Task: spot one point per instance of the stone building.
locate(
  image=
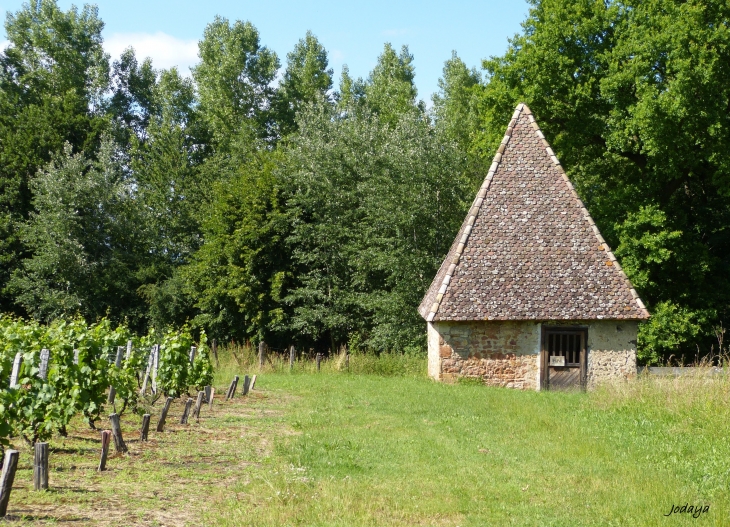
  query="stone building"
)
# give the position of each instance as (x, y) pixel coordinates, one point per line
(530, 295)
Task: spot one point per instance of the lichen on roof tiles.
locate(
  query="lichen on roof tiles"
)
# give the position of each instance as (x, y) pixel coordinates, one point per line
(528, 249)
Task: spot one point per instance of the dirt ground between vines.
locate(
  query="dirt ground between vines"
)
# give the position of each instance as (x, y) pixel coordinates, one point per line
(171, 480)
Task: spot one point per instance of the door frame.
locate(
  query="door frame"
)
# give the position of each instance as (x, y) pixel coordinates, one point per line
(545, 368)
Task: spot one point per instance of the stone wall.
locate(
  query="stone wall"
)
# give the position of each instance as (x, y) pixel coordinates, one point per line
(501, 353)
(612, 351)
(507, 353)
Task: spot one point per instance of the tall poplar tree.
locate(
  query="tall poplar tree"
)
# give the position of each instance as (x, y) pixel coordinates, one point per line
(233, 80)
(52, 78)
(306, 79)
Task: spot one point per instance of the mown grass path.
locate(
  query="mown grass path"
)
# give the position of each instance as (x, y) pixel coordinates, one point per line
(351, 450)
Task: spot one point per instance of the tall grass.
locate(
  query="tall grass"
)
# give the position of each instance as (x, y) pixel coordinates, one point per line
(693, 394)
(235, 359)
(681, 422)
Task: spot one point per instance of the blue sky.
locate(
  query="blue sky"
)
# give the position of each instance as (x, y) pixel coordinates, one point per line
(352, 32)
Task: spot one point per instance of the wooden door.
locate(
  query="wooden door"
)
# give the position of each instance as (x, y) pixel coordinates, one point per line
(564, 358)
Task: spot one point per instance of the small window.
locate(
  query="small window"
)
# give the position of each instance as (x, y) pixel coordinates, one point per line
(565, 346)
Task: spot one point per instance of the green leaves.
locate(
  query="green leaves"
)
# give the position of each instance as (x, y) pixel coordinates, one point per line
(306, 80)
(201, 372)
(83, 239)
(374, 203)
(173, 372)
(52, 77)
(390, 90)
(233, 78)
(238, 275)
(647, 244)
(671, 326)
(36, 408)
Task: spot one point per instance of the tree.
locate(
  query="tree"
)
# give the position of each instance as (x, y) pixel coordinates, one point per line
(372, 202)
(239, 276)
(171, 191)
(457, 114)
(132, 101)
(84, 239)
(633, 97)
(390, 89)
(52, 79)
(454, 107)
(233, 80)
(305, 80)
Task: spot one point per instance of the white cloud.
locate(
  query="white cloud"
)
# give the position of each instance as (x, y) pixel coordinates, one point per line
(4, 44)
(165, 50)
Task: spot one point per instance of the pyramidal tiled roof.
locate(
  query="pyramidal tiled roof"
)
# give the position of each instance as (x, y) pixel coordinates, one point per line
(528, 249)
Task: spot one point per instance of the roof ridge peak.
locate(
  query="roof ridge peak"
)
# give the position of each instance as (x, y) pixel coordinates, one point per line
(522, 108)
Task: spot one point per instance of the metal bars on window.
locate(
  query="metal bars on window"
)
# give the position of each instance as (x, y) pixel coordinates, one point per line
(566, 344)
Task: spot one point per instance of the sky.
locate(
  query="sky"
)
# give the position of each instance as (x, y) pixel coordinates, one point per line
(353, 33)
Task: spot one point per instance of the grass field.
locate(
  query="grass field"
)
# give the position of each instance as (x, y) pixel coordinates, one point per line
(341, 449)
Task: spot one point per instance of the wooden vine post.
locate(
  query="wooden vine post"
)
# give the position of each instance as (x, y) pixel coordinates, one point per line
(253, 382)
(163, 415)
(16, 370)
(186, 412)
(210, 399)
(119, 444)
(214, 347)
(118, 364)
(232, 388)
(43, 367)
(40, 467)
(262, 353)
(319, 360)
(155, 365)
(145, 427)
(106, 437)
(10, 465)
(246, 384)
(147, 373)
(198, 404)
(292, 356)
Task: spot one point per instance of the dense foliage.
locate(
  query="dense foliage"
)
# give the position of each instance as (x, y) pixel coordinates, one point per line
(80, 370)
(634, 98)
(294, 212)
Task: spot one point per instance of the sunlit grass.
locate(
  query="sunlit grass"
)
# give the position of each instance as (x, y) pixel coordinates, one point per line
(406, 451)
(337, 448)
